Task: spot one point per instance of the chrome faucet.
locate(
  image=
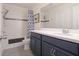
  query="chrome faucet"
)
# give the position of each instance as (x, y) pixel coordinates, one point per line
(65, 31)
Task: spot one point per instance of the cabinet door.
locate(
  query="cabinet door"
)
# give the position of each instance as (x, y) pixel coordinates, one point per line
(38, 47)
(32, 44)
(35, 45)
(50, 50)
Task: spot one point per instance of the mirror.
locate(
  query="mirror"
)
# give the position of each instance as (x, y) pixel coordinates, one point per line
(60, 15)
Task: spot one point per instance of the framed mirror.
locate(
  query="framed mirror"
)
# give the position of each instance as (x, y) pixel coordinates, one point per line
(36, 18)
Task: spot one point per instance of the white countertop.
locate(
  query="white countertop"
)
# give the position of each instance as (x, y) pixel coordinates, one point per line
(72, 36)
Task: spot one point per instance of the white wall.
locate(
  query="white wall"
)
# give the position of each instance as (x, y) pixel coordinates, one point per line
(36, 10)
(76, 16)
(59, 15)
(0, 19)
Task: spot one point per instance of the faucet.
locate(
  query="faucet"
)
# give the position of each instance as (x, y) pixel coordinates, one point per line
(65, 31)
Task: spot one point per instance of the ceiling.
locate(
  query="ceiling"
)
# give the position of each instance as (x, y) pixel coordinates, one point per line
(28, 5)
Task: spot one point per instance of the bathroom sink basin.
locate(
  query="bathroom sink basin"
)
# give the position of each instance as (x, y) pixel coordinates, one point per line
(67, 34)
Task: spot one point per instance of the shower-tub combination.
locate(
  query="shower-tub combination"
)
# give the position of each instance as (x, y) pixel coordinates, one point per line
(7, 42)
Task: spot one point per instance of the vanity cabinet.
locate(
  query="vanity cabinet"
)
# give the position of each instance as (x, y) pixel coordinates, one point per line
(42, 45)
(35, 44)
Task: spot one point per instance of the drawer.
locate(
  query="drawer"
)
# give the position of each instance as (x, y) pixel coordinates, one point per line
(65, 45)
(36, 35)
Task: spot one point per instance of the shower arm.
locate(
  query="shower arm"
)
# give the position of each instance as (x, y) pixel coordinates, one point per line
(5, 14)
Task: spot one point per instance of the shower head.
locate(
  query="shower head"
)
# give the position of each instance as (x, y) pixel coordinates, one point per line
(4, 12)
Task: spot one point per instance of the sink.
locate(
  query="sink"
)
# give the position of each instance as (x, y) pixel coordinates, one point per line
(67, 34)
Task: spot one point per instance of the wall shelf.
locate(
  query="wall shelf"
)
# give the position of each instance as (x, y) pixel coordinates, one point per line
(45, 21)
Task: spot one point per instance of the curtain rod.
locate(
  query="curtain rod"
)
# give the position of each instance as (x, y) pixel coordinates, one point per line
(12, 18)
(15, 19)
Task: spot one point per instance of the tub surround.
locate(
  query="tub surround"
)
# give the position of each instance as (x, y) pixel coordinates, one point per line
(72, 36)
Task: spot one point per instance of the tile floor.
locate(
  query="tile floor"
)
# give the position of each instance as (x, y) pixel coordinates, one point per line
(17, 51)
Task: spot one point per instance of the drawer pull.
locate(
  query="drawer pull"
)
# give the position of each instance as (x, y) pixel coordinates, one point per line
(52, 52)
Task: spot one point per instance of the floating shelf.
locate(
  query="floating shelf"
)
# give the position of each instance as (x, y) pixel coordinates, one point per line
(45, 21)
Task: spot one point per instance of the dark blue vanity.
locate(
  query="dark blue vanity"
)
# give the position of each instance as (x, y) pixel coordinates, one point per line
(42, 45)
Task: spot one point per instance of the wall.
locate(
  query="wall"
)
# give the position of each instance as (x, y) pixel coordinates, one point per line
(59, 15)
(37, 9)
(76, 16)
(0, 19)
(14, 28)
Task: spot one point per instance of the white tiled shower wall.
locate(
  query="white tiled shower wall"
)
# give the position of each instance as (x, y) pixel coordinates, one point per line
(14, 28)
(0, 28)
(0, 19)
(38, 10)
